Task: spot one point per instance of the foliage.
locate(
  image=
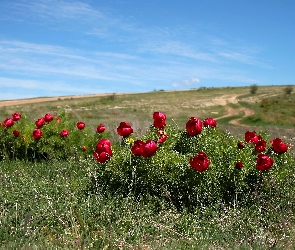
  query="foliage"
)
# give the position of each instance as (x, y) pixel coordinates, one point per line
(51, 144)
(189, 168)
(288, 90)
(253, 89)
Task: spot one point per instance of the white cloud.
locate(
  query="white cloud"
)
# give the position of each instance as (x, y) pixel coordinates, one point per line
(186, 82)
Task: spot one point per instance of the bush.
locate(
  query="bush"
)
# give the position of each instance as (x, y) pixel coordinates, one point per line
(288, 90)
(196, 167)
(168, 174)
(253, 89)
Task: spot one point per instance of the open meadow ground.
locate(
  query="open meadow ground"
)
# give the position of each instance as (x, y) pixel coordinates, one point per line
(130, 202)
(233, 107)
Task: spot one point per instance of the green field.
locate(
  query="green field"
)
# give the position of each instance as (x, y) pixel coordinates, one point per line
(53, 204)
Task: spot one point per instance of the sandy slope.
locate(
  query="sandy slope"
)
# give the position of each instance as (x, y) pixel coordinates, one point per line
(44, 99)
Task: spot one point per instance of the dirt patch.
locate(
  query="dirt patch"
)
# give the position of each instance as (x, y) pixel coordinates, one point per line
(44, 99)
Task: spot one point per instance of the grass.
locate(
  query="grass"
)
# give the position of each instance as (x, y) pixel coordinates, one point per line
(50, 205)
(47, 206)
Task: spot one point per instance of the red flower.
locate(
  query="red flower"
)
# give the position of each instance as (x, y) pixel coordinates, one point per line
(209, 122)
(124, 129)
(239, 165)
(80, 125)
(263, 162)
(9, 122)
(149, 148)
(159, 120)
(162, 138)
(101, 157)
(104, 145)
(241, 145)
(58, 119)
(100, 128)
(37, 133)
(84, 148)
(252, 137)
(16, 133)
(103, 151)
(64, 133)
(16, 116)
(194, 126)
(260, 146)
(104, 141)
(40, 122)
(279, 146)
(137, 147)
(200, 162)
(48, 117)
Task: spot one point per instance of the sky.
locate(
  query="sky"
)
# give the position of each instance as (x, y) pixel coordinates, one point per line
(75, 47)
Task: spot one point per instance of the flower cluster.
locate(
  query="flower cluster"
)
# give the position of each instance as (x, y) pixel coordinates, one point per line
(9, 122)
(263, 160)
(148, 147)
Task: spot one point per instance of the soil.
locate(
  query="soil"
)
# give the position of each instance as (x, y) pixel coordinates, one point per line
(43, 99)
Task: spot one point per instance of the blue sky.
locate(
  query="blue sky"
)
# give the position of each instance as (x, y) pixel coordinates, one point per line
(71, 47)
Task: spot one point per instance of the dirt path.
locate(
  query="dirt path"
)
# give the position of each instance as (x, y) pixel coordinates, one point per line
(233, 99)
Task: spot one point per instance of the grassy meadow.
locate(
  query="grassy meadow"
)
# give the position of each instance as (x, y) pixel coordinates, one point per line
(52, 205)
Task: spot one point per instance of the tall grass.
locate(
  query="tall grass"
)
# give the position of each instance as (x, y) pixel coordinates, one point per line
(47, 206)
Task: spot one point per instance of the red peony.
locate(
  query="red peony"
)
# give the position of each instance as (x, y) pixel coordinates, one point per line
(194, 126)
(103, 151)
(241, 145)
(159, 120)
(200, 162)
(100, 128)
(124, 129)
(104, 145)
(239, 165)
(84, 148)
(101, 157)
(252, 137)
(64, 133)
(260, 146)
(263, 162)
(149, 148)
(209, 122)
(16, 116)
(137, 147)
(9, 122)
(80, 125)
(162, 136)
(104, 142)
(279, 146)
(37, 133)
(40, 122)
(48, 117)
(16, 133)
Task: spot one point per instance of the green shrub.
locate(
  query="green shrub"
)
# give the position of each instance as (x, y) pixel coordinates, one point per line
(168, 175)
(253, 89)
(169, 172)
(288, 90)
